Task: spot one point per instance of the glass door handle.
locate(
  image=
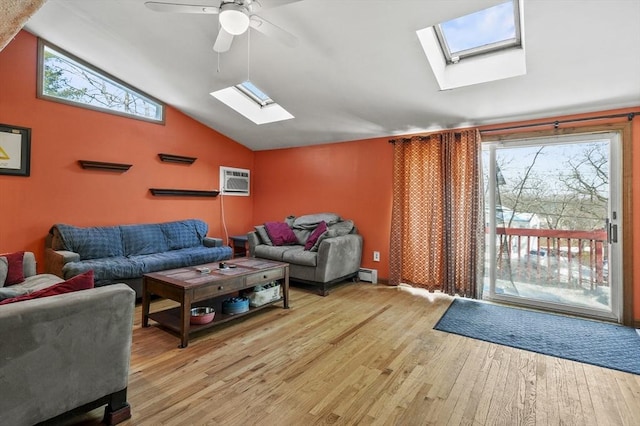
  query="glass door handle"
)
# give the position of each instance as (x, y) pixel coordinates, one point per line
(612, 232)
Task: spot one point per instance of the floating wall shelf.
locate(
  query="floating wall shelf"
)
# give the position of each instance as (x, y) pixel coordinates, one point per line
(100, 165)
(183, 192)
(170, 158)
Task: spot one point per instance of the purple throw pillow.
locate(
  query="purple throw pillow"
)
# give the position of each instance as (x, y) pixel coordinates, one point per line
(15, 268)
(280, 234)
(320, 229)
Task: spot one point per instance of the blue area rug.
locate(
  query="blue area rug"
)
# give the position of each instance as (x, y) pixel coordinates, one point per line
(592, 342)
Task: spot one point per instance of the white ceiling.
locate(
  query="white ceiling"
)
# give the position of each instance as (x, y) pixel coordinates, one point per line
(358, 71)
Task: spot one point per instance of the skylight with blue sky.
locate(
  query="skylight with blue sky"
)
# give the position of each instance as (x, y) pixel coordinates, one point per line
(251, 102)
(495, 27)
(482, 46)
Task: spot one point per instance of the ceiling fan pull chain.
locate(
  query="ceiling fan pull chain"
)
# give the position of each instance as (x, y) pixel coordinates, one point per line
(248, 53)
(218, 53)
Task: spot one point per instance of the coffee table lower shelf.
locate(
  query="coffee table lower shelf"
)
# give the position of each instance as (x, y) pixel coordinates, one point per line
(190, 287)
(170, 318)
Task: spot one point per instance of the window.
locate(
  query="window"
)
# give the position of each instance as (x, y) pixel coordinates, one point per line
(257, 95)
(553, 215)
(246, 99)
(485, 31)
(481, 47)
(67, 79)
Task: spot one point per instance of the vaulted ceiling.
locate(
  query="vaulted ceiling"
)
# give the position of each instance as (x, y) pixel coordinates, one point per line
(358, 70)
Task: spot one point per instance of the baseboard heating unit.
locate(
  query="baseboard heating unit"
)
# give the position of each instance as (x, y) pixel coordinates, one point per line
(368, 275)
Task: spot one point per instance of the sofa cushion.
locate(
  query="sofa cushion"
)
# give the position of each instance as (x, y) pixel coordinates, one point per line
(310, 221)
(302, 235)
(342, 228)
(262, 233)
(330, 233)
(105, 269)
(31, 283)
(4, 268)
(113, 269)
(38, 282)
(172, 259)
(15, 268)
(184, 233)
(12, 291)
(289, 220)
(93, 242)
(80, 282)
(273, 252)
(320, 229)
(143, 239)
(300, 256)
(280, 233)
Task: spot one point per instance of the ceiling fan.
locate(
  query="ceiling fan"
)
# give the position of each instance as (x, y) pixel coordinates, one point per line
(235, 17)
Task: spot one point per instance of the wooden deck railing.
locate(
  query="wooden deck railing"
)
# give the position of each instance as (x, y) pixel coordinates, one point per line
(567, 257)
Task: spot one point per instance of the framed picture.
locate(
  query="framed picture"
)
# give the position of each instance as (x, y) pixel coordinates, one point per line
(15, 150)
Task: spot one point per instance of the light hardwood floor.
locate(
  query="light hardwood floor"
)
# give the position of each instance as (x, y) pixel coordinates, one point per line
(366, 354)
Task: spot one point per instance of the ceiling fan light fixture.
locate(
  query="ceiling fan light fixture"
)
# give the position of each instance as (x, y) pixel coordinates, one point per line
(234, 18)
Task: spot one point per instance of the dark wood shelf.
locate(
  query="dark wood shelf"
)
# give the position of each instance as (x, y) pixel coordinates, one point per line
(170, 318)
(170, 158)
(182, 192)
(101, 165)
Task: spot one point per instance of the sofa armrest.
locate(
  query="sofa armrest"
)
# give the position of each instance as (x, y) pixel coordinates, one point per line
(212, 242)
(61, 352)
(56, 259)
(254, 240)
(338, 257)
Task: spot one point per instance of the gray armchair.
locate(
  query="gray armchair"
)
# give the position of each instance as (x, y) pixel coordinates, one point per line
(66, 353)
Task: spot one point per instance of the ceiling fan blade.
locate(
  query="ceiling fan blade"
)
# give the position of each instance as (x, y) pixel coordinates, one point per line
(181, 8)
(223, 41)
(270, 4)
(271, 30)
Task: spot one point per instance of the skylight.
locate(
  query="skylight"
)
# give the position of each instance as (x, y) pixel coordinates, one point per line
(487, 30)
(480, 47)
(250, 89)
(246, 99)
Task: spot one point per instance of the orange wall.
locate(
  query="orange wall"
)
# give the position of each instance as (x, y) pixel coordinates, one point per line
(353, 179)
(59, 190)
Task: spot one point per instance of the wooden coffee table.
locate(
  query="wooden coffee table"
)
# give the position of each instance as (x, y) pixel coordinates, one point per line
(188, 286)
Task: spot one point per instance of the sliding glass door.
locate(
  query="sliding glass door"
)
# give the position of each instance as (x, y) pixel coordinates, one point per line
(553, 223)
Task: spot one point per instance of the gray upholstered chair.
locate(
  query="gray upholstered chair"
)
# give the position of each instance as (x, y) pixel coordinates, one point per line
(335, 257)
(65, 353)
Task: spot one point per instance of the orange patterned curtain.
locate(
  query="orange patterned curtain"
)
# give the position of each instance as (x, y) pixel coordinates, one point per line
(437, 224)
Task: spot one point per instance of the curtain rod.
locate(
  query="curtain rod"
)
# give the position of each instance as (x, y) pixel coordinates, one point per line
(556, 124)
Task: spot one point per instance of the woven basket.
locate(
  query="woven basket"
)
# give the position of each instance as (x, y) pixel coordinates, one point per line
(264, 296)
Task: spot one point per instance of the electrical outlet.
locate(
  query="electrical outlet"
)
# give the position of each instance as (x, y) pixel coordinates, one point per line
(376, 256)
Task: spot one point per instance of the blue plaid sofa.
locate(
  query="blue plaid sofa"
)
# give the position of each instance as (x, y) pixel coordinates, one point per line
(124, 253)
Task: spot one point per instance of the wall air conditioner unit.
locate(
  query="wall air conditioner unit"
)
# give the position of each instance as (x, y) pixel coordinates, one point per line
(368, 275)
(234, 181)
